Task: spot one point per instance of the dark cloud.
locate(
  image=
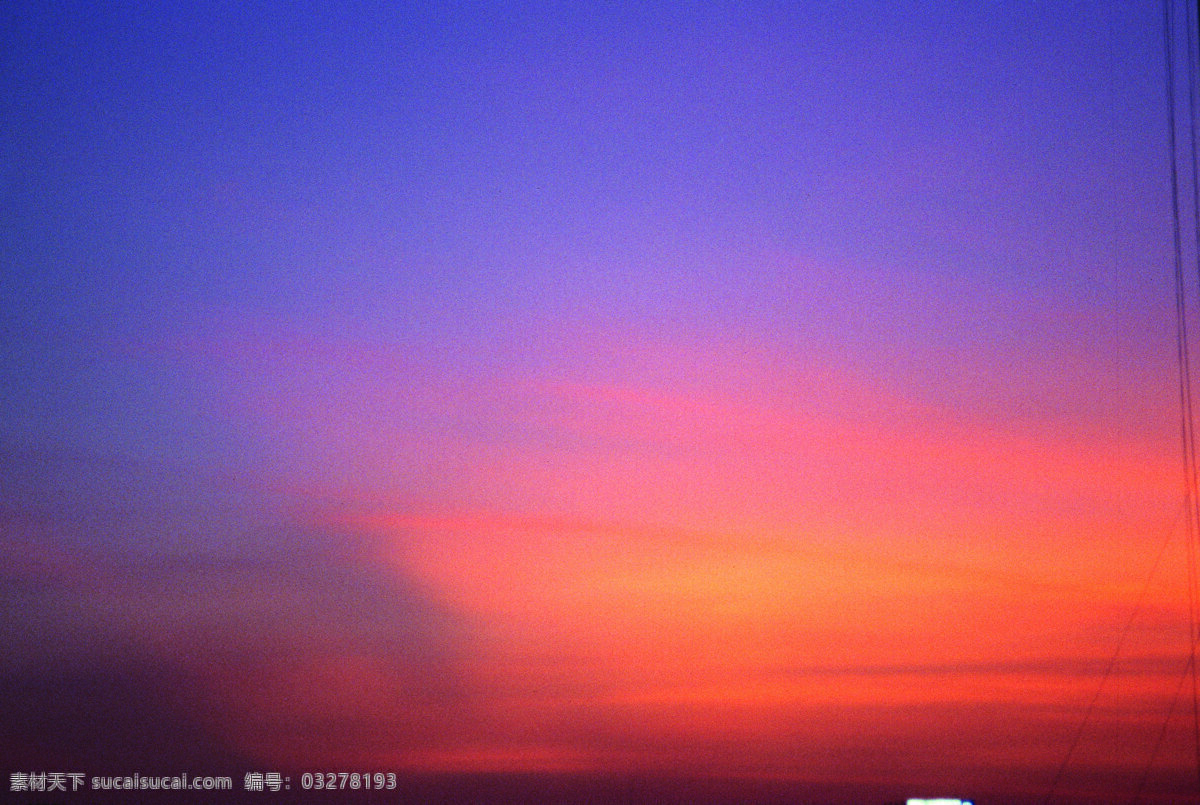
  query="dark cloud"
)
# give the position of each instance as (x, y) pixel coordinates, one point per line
(118, 717)
(238, 638)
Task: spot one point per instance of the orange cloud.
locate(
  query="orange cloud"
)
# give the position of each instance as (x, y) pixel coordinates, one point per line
(705, 553)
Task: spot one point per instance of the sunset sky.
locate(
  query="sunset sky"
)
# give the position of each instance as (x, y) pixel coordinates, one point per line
(776, 399)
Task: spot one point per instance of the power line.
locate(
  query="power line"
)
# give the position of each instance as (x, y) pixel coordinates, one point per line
(1183, 358)
(1111, 667)
(1187, 422)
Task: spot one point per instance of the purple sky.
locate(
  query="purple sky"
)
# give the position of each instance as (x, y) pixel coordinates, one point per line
(459, 376)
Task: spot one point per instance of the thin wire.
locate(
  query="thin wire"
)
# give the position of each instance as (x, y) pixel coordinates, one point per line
(1187, 418)
(1112, 663)
(1162, 733)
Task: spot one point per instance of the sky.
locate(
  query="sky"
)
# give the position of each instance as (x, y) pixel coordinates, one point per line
(765, 401)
